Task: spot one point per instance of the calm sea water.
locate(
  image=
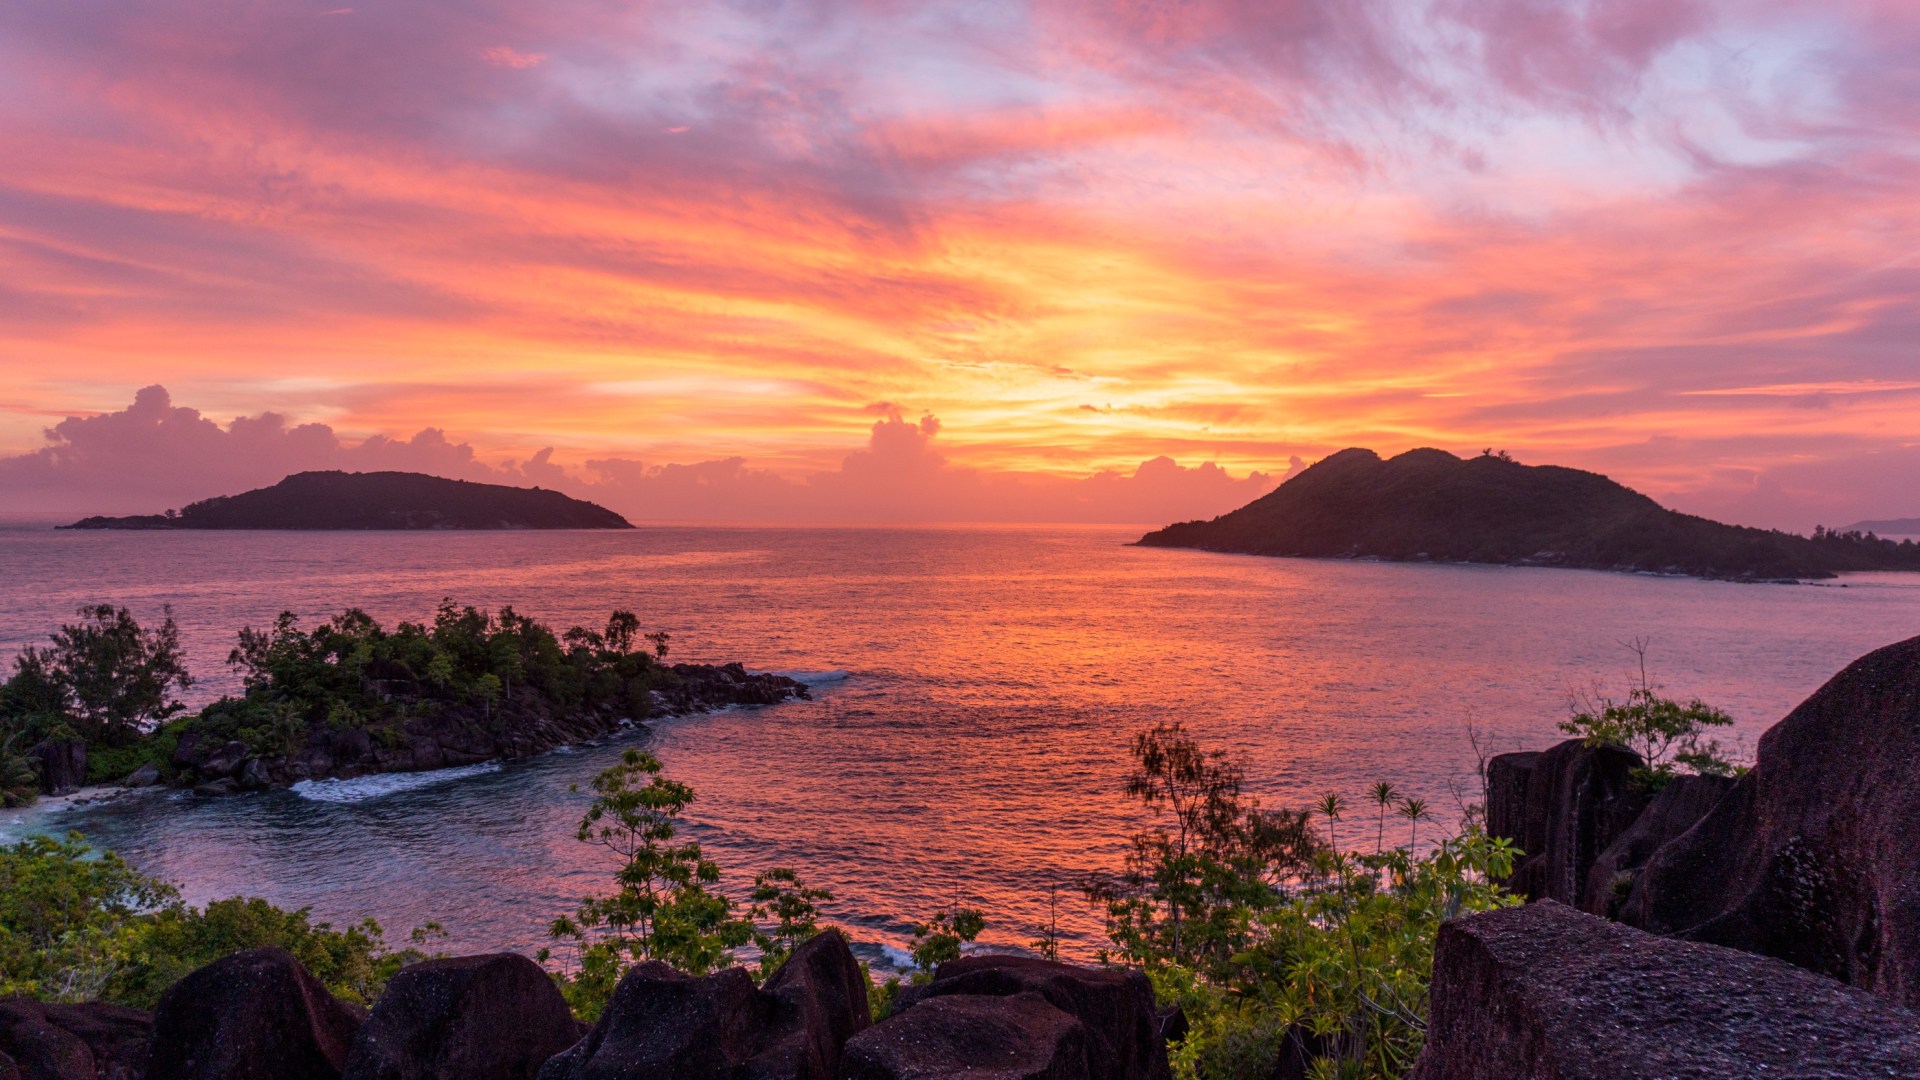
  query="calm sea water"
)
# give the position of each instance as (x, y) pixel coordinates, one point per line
(975, 691)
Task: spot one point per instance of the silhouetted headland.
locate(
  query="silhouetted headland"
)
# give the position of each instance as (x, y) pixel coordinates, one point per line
(377, 500)
(1891, 526)
(1428, 505)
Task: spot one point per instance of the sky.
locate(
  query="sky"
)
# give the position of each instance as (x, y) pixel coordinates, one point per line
(870, 259)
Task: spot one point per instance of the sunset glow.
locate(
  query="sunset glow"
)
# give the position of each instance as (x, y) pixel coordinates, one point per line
(1671, 241)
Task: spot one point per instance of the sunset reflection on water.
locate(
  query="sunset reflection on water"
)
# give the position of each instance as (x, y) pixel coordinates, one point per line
(975, 692)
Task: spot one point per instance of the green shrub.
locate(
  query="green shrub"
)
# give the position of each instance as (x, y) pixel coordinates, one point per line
(19, 779)
(106, 764)
(82, 925)
(1667, 734)
(1266, 935)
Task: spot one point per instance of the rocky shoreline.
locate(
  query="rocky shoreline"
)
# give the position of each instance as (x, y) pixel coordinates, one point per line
(522, 725)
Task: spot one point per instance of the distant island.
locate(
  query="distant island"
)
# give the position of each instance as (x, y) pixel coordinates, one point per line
(377, 500)
(1891, 527)
(1428, 505)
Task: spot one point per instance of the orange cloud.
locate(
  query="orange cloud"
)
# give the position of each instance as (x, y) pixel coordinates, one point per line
(508, 57)
(1082, 237)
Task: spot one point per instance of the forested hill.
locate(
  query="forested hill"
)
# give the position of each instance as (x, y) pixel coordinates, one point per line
(377, 500)
(1431, 505)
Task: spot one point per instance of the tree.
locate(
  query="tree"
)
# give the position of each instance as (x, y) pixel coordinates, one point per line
(109, 676)
(1383, 796)
(1184, 888)
(659, 639)
(19, 781)
(1664, 732)
(622, 628)
(939, 939)
(794, 907)
(1048, 943)
(663, 906)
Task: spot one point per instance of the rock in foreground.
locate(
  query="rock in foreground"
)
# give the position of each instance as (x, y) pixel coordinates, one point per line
(1575, 800)
(496, 1017)
(1021, 1037)
(1115, 1006)
(94, 1041)
(1678, 807)
(1814, 856)
(255, 1015)
(1544, 992)
(663, 1025)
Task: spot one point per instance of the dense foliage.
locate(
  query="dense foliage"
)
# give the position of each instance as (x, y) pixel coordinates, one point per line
(113, 684)
(80, 925)
(1276, 941)
(350, 672)
(1187, 888)
(105, 680)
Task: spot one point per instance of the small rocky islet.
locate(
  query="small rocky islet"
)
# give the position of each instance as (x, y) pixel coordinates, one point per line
(1761, 925)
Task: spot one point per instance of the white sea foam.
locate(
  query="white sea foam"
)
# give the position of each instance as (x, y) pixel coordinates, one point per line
(895, 957)
(814, 678)
(362, 788)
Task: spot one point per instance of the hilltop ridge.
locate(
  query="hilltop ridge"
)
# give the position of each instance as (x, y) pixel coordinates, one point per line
(1429, 505)
(377, 500)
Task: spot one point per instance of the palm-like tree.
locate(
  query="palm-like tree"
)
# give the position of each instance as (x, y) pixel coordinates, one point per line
(19, 782)
(1330, 807)
(1384, 794)
(1415, 811)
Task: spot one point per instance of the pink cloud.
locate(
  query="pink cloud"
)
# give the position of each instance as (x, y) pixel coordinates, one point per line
(154, 454)
(508, 57)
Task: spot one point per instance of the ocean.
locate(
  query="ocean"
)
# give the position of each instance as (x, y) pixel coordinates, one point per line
(975, 690)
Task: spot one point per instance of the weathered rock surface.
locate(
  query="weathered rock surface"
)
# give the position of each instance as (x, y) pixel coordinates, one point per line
(820, 1001)
(521, 725)
(1300, 1048)
(94, 1041)
(1678, 806)
(496, 1017)
(1544, 992)
(35, 1047)
(1575, 801)
(145, 776)
(662, 1025)
(1021, 1037)
(1508, 776)
(1814, 856)
(61, 763)
(255, 1015)
(1115, 1007)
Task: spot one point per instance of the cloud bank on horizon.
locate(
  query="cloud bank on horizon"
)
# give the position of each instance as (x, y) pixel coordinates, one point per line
(154, 454)
(1669, 240)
